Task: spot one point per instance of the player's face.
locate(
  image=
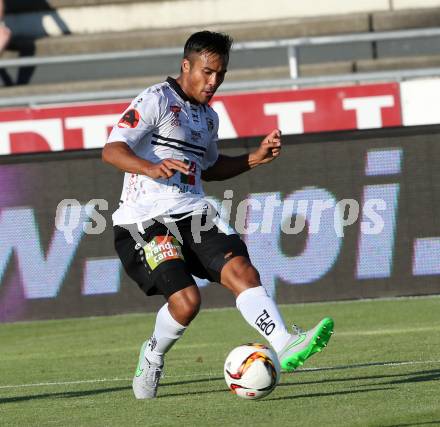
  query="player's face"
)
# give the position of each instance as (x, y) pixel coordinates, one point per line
(202, 74)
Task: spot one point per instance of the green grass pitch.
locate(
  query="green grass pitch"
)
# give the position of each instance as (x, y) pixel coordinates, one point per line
(381, 368)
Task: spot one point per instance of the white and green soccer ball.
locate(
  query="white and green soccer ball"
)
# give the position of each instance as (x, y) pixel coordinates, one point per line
(252, 371)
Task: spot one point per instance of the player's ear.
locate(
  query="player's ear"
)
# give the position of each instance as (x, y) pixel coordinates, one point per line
(186, 65)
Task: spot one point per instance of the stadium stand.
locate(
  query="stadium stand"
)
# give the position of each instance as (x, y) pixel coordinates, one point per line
(42, 28)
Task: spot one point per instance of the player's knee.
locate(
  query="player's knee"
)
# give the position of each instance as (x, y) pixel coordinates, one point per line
(190, 309)
(184, 305)
(239, 274)
(240, 268)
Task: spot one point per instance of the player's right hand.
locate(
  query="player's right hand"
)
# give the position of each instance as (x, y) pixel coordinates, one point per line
(167, 168)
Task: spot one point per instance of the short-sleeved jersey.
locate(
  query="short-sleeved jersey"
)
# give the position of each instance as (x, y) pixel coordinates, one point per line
(162, 123)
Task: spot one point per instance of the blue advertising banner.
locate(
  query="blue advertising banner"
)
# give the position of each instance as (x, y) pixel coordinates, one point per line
(338, 216)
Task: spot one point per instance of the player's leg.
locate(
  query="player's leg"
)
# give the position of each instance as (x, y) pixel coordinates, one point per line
(258, 309)
(225, 257)
(158, 267)
(261, 312)
(171, 322)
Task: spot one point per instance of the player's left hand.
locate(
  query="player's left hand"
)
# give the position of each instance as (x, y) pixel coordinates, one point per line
(269, 149)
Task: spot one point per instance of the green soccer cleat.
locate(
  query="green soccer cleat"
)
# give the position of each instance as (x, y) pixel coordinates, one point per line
(304, 344)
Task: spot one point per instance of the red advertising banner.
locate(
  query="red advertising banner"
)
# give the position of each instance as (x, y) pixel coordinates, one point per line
(310, 110)
(57, 128)
(85, 126)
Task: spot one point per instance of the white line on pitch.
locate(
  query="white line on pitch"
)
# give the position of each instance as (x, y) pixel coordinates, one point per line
(215, 375)
(387, 331)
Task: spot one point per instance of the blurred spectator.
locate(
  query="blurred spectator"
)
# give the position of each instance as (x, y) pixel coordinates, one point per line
(5, 32)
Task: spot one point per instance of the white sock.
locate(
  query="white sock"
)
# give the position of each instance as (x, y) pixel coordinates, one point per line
(166, 332)
(261, 312)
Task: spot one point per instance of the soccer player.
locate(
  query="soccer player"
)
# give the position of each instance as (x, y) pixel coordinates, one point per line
(166, 142)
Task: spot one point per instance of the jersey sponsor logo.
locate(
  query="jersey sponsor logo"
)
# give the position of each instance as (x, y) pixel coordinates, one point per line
(189, 179)
(175, 109)
(210, 124)
(161, 249)
(195, 114)
(195, 136)
(130, 119)
(185, 188)
(265, 323)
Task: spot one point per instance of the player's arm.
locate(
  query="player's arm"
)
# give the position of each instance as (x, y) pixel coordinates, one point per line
(121, 156)
(227, 167)
(141, 117)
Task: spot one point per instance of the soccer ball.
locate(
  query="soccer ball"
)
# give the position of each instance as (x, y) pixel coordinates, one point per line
(252, 371)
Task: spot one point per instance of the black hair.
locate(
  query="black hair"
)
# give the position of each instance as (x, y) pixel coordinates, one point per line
(208, 41)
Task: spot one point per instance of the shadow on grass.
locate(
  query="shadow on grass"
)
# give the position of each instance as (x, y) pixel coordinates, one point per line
(297, 396)
(310, 371)
(70, 394)
(419, 376)
(65, 394)
(332, 393)
(412, 377)
(74, 394)
(425, 423)
(353, 366)
(201, 380)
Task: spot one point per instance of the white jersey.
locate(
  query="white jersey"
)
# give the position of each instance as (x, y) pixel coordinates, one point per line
(162, 123)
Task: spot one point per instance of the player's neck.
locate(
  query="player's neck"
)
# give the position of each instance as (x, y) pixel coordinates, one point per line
(184, 86)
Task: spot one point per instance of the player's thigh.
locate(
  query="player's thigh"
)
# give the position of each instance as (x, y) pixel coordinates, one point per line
(214, 248)
(156, 264)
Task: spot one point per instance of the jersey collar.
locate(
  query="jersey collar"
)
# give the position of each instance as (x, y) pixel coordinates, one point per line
(173, 83)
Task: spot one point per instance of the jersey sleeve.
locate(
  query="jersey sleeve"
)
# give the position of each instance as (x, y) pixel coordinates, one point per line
(140, 118)
(211, 155)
